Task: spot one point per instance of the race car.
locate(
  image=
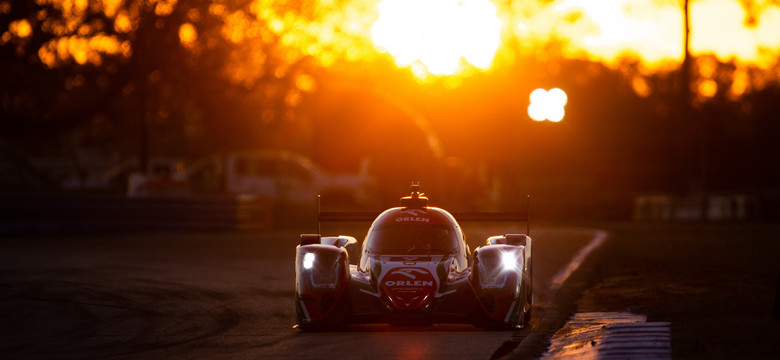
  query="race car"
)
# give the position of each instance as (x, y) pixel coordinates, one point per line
(415, 268)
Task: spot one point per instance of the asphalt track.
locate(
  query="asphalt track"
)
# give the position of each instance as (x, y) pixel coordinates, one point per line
(218, 296)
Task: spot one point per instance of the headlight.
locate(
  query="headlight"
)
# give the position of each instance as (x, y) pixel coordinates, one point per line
(508, 260)
(308, 261)
(321, 269)
(495, 266)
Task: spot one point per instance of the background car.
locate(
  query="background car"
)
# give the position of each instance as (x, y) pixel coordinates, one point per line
(286, 177)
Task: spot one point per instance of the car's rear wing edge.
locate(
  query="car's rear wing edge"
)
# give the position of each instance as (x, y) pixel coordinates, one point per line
(365, 216)
(346, 216)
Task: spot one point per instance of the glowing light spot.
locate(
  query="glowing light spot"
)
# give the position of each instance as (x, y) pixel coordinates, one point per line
(277, 25)
(708, 88)
(308, 260)
(122, 23)
(509, 261)
(305, 83)
(110, 7)
(547, 105)
(77, 48)
(47, 57)
(440, 34)
(20, 28)
(165, 7)
(217, 9)
(79, 5)
(640, 86)
(739, 85)
(187, 34)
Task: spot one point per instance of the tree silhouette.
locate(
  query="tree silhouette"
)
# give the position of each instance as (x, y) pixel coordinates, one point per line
(190, 68)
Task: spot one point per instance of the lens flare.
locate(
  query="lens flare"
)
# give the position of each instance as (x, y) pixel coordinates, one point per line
(440, 34)
(547, 105)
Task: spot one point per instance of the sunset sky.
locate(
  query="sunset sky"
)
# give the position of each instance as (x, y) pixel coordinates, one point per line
(438, 37)
(603, 31)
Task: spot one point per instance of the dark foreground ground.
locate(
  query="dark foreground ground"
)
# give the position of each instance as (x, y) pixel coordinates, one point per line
(716, 283)
(212, 295)
(150, 296)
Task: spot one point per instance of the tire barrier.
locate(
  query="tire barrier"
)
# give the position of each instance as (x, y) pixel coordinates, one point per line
(63, 214)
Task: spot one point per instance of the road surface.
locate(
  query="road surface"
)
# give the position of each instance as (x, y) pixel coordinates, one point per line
(230, 296)
(150, 296)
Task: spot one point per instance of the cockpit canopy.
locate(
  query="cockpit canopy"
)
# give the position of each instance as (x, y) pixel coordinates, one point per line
(401, 231)
(412, 239)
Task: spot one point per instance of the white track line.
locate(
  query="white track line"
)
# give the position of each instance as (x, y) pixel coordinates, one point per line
(599, 236)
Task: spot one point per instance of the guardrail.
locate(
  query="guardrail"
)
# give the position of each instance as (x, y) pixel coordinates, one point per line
(53, 214)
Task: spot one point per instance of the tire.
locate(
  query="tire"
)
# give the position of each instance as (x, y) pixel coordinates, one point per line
(526, 318)
(318, 327)
(329, 324)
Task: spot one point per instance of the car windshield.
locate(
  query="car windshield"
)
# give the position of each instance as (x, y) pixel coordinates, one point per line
(413, 239)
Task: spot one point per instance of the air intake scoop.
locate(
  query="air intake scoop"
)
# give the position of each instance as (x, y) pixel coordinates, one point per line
(409, 288)
(416, 200)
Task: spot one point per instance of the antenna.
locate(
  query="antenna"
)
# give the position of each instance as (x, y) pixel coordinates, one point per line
(319, 211)
(416, 199)
(415, 189)
(528, 215)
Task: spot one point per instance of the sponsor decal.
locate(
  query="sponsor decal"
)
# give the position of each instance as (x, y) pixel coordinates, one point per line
(409, 283)
(409, 287)
(413, 216)
(416, 217)
(410, 260)
(413, 219)
(413, 212)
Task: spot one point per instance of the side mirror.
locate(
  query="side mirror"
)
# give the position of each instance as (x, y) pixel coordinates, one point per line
(310, 239)
(349, 243)
(339, 241)
(516, 239)
(508, 239)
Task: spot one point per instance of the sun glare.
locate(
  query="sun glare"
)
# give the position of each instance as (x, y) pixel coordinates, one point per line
(547, 105)
(433, 38)
(650, 31)
(440, 35)
(614, 27)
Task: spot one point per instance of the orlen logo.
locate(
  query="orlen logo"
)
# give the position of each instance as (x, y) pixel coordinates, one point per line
(409, 288)
(414, 218)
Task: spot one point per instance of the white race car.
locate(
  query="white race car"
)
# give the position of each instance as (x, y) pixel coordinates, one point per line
(415, 268)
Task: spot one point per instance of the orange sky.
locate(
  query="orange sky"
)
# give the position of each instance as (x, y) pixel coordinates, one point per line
(603, 30)
(432, 38)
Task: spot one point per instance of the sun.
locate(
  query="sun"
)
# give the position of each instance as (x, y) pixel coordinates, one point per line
(438, 36)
